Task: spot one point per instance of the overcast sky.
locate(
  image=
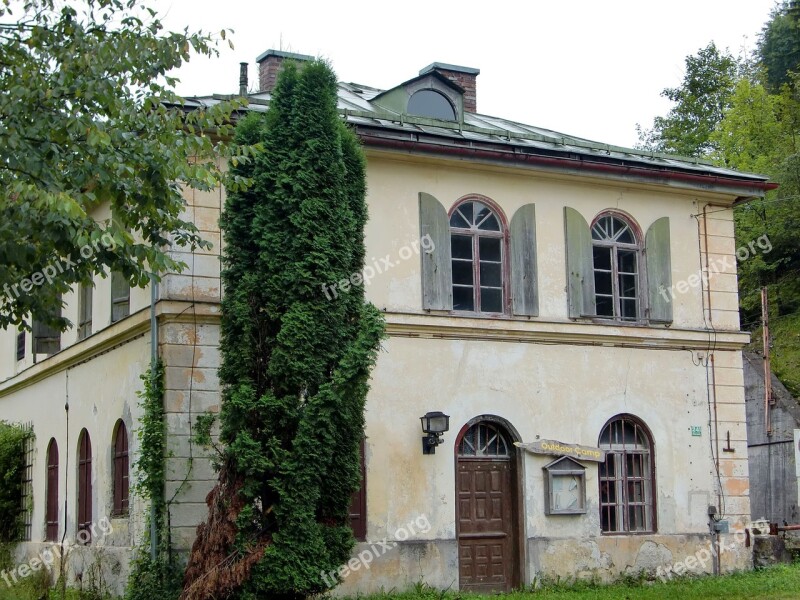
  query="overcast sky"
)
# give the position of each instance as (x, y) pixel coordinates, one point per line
(583, 67)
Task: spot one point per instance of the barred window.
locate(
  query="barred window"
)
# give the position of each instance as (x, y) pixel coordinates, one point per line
(27, 484)
(627, 483)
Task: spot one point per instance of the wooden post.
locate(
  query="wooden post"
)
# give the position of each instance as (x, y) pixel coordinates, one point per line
(767, 368)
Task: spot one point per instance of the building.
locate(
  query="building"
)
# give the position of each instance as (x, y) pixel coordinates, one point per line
(576, 298)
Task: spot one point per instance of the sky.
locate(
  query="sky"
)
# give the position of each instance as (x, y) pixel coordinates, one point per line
(586, 68)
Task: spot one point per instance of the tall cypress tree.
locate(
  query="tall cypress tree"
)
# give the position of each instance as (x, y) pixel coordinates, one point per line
(296, 364)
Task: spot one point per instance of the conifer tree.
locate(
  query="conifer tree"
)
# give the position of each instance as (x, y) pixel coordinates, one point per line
(296, 364)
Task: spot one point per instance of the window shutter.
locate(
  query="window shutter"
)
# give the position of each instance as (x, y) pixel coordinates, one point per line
(659, 271)
(51, 506)
(437, 279)
(580, 273)
(524, 297)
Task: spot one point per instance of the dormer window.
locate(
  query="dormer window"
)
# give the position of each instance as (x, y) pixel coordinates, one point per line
(430, 103)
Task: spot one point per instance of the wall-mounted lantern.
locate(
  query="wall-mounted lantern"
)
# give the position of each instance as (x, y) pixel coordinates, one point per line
(434, 424)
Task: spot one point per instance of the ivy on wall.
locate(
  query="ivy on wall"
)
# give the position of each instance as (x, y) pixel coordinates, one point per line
(12, 466)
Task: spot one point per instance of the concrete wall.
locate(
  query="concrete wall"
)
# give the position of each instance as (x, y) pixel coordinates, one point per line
(773, 475)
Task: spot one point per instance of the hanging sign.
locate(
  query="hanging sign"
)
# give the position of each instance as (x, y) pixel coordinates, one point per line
(555, 448)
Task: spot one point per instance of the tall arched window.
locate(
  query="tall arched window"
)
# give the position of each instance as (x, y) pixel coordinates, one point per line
(627, 481)
(84, 487)
(121, 470)
(477, 242)
(51, 507)
(616, 250)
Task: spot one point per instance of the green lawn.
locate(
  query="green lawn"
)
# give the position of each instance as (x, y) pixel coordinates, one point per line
(776, 582)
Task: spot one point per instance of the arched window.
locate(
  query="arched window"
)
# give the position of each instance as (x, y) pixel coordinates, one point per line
(51, 507)
(627, 482)
(84, 487)
(121, 470)
(484, 440)
(616, 251)
(430, 103)
(477, 243)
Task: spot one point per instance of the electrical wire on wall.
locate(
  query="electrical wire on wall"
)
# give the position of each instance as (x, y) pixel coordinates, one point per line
(708, 325)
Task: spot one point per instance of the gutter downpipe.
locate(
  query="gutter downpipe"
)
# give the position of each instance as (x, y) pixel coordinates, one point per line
(153, 363)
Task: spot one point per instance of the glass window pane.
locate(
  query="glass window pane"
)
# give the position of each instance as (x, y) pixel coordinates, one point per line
(467, 209)
(602, 282)
(463, 298)
(489, 248)
(490, 224)
(481, 212)
(626, 237)
(626, 261)
(605, 306)
(627, 286)
(430, 103)
(458, 220)
(461, 246)
(491, 300)
(628, 307)
(462, 272)
(602, 258)
(491, 274)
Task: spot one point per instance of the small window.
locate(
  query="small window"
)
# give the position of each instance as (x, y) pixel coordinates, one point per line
(430, 103)
(27, 484)
(627, 485)
(51, 509)
(358, 502)
(121, 470)
(616, 254)
(46, 338)
(84, 488)
(477, 243)
(120, 297)
(21, 345)
(85, 311)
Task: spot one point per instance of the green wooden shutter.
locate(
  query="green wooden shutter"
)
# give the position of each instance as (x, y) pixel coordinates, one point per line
(437, 279)
(524, 296)
(580, 273)
(659, 271)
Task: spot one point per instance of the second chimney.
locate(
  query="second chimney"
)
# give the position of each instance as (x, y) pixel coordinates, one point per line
(465, 77)
(269, 65)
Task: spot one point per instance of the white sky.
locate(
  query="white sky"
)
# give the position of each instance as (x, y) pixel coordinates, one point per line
(587, 68)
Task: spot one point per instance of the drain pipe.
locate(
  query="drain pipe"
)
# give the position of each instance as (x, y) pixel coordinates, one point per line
(153, 363)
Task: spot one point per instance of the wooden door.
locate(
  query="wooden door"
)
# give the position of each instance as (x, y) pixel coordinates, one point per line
(486, 487)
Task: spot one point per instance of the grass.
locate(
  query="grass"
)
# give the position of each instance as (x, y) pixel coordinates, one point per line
(779, 582)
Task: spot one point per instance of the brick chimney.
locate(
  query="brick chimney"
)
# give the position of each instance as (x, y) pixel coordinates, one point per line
(461, 76)
(269, 65)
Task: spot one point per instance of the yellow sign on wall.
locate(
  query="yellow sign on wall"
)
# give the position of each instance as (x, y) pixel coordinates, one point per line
(556, 448)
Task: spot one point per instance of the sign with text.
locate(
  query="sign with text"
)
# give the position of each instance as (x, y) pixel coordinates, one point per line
(555, 448)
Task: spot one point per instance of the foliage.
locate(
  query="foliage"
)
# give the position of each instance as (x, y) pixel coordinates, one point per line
(12, 465)
(700, 102)
(159, 577)
(89, 119)
(295, 364)
(759, 134)
(779, 45)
